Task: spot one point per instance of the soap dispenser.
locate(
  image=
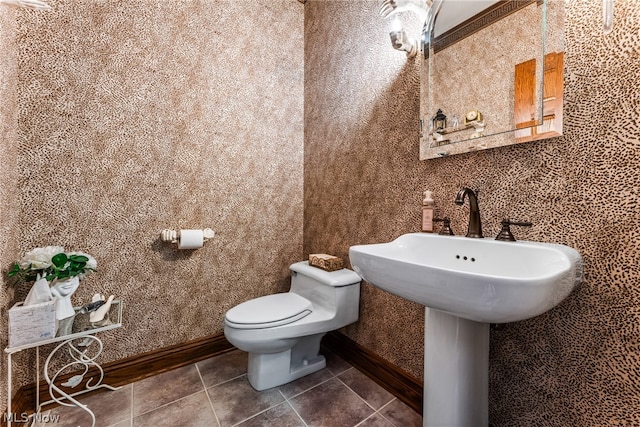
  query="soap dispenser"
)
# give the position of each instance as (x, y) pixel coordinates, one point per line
(427, 212)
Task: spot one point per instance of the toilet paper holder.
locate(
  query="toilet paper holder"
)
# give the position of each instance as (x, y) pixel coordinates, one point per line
(173, 236)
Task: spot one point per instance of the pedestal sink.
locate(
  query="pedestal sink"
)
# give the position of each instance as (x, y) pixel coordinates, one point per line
(466, 284)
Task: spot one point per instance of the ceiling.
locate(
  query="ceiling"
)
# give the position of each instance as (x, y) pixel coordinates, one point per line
(455, 12)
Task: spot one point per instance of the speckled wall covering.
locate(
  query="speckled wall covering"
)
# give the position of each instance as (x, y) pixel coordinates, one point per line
(577, 365)
(8, 165)
(136, 116)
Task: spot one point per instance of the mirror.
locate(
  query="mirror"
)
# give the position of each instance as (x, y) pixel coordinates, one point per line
(491, 75)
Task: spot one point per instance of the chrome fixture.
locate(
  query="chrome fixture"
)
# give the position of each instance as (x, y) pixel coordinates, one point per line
(400, 40)
(475, 227)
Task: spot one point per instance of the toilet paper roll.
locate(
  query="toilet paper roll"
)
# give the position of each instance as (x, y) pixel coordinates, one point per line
(191, 239)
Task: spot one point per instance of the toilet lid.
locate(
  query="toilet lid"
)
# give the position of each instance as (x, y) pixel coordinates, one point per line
(269, 311)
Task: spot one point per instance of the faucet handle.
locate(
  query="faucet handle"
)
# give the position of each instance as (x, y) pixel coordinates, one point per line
(446, 227)
(505, 234)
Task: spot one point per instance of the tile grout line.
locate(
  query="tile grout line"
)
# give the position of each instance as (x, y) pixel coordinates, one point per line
(375, 411)
(333, 375)
(280, 403)
(204, 387)
(265, 410)
(226, 381)
(294, 409)
(132, 399)
(384, 406)
(363, 399)
(169, 403)
(310, 388)
(131, 408)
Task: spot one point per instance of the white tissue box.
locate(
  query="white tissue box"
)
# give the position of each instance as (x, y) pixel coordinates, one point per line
(31, 324)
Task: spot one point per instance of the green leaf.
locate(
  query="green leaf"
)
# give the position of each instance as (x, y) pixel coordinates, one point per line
(77, 265)
(15, 269)
(78, 258)
(59, 260)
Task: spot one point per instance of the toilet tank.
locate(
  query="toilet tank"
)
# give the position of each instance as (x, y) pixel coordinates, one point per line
(328, 289)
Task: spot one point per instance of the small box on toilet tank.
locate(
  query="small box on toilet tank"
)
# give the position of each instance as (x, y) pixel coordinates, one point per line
(326, 262)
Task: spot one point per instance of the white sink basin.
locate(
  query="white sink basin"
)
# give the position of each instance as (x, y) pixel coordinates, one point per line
(478, 279)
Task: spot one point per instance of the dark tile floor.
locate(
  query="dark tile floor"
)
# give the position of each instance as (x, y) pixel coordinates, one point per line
(215, 392)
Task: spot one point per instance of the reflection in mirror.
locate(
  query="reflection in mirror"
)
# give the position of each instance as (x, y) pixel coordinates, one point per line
(489, 75)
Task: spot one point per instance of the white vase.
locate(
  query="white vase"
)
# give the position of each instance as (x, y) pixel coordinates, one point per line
(62, 291)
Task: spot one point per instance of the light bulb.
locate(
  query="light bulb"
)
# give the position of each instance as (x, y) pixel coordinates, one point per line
(396, 25)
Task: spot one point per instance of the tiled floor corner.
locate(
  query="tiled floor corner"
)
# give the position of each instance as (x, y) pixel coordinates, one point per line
(215, 393)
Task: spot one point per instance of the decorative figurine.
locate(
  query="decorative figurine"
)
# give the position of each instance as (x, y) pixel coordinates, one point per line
(92, 306)
(455, 122)
(439, 121)
(62, 290)
(100, 317)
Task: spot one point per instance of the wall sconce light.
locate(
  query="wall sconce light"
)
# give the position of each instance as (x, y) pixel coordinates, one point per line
(607, 16)
(400, 40)
(31, 4)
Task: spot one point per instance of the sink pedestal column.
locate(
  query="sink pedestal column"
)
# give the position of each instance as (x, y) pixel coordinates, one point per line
(456, 371)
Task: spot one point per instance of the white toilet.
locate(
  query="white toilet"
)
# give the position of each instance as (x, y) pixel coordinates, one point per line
(282, 332)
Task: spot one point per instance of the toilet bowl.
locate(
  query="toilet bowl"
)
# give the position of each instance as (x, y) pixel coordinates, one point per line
(282, 332)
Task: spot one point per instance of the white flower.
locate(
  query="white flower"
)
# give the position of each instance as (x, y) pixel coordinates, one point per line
(39, 263)
(40, 258)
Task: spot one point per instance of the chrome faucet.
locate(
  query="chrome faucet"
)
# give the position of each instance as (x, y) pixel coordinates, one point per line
(475, 227)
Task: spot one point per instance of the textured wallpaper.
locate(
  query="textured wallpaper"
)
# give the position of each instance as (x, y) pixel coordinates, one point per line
(577, 365)
(135, 116)
(8, 166)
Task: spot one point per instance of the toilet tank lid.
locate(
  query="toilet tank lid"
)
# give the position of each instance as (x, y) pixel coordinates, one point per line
(343, 277)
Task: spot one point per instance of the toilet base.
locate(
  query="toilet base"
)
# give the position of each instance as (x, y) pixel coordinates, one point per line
(267, 370)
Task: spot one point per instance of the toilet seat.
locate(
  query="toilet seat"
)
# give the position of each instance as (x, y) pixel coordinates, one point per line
(269, 311)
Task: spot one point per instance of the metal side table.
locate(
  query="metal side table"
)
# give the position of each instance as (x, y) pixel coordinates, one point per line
(83, 348)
